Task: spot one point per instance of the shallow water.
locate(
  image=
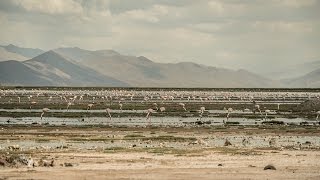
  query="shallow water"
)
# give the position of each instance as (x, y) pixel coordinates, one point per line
(141, 121)
(74, 110)
(123, 111)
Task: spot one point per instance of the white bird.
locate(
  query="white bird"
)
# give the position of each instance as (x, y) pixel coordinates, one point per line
(183, 106)
(120, 106)
(318, 113)
(44, 110)
(89, 106)
(229, 112)
(149, 111)
(156, 106)
(267, 111)
(19, 99)
(162, 109)
(202, 109)
(108, 110)
(32, 103)
(258, 107)
(68, 105)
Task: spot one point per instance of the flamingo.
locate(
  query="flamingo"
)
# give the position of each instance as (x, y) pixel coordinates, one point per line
(156, 106)
(149, 112)
(89, 106)
(162, 109)
(229, 112)
(183, 106)
(44, 110)
(258, 107)
(69, 104)
(108, 110)
(202, 109)
(32, 103)
(267, 111)
(120, 106)
(74, 98)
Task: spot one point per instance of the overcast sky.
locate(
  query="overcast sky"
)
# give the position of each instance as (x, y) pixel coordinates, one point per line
(225, 33)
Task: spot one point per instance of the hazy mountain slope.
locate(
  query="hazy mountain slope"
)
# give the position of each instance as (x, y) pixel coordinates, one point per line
(129, 69)
(204, 76)
(140, 71)
(78, 67)
(292, 71)
(67, 73)
(310, 80)
(17, 73)
(6, 55)
(80, 55)
(26, 52)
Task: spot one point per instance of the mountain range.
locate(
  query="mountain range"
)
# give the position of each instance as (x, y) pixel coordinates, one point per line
(78, 67)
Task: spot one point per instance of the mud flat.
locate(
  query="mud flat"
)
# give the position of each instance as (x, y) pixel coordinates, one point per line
(73, 152)
(134, 133)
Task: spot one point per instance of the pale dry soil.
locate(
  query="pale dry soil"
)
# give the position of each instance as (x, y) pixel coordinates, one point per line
(192, 161)
(141, 165)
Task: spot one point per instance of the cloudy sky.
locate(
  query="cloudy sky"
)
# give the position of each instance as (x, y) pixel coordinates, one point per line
(251, 34)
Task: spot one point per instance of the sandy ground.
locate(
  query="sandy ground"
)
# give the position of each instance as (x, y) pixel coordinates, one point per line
(149, 160)
(289, 165)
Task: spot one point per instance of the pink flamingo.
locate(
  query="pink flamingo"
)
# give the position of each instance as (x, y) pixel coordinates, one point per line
(149, 112)
(44, 110)
(183, 106)
(108, 110)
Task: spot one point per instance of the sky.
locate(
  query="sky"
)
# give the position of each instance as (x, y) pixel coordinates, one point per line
(238, 34)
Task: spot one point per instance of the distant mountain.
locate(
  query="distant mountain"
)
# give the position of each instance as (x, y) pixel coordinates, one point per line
(17, 73)
(142, 72)
(55, 70)
(6, 55)
(79, 67)
(26, 52)
(309, 80)
(292, 71)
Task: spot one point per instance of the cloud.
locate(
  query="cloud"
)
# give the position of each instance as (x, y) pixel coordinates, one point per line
(224, 8)
(50, 7)
(284, 27)
(151, 15)
(296, 3)
(231, 33)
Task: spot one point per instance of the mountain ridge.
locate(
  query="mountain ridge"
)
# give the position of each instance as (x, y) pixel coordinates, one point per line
(73, 66)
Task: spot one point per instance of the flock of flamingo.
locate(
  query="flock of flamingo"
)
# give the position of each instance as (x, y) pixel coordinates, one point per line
(153, 97)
